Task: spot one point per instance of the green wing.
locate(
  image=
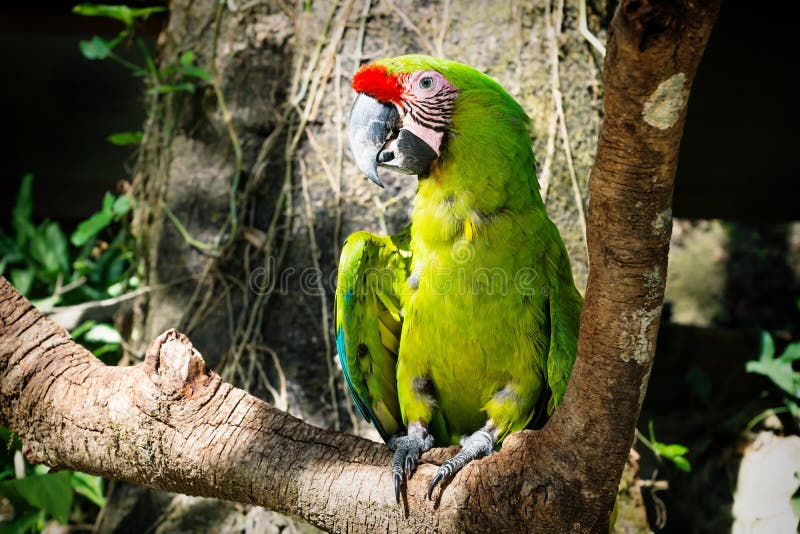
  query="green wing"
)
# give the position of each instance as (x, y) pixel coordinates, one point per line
(564, 303)
(372, 274)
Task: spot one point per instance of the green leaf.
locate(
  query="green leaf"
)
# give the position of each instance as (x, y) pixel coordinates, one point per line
(196, 72)
(124, 14)
(82, 328)
(22, 212)
(7, 245)
(113, 207)
(5, 433)
(108, 348)
(22, 279)
(116, 269)
(49, 249)
(793, 408)
(133, 282)
(791, 353)
(102, 333)
(51, 492)
(125, 138)
(96, 48)
(41, 469)
(83, 265)
(144, 12)
(89, 228)
(188, 68)
(23, 209)
(767, 346)
(120, 13)
(10, 257)
(117, 289)
(122, 205)
(780, 369)
(24, 523)
(169, 88)
(57, 256)
(89, 486)
(681, 463)
(108, 202)
(671, 451)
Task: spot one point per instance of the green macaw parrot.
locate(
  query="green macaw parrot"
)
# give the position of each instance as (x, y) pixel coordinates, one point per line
(463, 327)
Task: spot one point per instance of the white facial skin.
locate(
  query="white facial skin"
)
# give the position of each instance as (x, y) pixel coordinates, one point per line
(428, 92)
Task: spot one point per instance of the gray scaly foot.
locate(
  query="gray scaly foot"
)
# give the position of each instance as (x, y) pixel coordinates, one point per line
(480, 443)
(407, 450)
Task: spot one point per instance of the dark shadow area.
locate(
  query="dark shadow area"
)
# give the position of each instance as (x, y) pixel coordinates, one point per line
(737, 158)
(736, 164)
(60, 107)
(761, 289)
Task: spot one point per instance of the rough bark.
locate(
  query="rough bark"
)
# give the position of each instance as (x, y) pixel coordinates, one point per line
(172, 424)
(653, 51)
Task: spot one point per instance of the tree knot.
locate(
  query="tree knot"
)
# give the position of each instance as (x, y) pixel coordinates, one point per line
(650, 19)
(175, 366)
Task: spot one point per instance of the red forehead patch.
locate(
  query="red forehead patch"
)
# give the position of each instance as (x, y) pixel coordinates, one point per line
(375, 81)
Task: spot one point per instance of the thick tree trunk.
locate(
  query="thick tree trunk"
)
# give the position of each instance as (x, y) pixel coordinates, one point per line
(654, 49)
(171, 423)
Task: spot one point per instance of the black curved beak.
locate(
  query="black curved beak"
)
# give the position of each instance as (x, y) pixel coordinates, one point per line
(377, 137)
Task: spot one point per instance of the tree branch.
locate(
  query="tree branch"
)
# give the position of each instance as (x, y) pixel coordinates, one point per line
(654, 48)
(172, 424)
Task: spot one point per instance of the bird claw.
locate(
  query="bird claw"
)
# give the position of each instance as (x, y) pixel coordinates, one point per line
(407, 450)
(480, 443)
(398, 481)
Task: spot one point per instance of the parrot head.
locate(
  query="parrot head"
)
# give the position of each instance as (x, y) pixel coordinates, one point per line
(406, 110)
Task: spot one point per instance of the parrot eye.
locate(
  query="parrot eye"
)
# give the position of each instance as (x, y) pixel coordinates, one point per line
(426, 82)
